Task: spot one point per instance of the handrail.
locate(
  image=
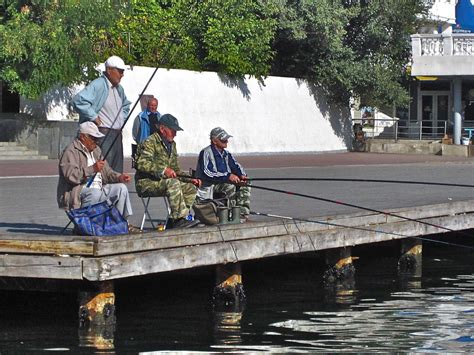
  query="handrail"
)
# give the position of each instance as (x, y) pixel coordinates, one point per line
(393, 128)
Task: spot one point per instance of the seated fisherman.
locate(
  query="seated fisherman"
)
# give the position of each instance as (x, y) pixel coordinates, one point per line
(158, 170)
(220, 172)
(80, 161)
(146, 123)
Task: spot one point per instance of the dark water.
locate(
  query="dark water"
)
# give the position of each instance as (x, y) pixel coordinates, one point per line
(287, 310)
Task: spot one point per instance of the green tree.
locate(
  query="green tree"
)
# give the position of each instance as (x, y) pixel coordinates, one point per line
(228, 36)
(47, 43)
(349, 48)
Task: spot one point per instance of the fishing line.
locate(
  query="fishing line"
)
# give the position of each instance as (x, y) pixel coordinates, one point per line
(366, 180)
(358, 207)
(359, 228)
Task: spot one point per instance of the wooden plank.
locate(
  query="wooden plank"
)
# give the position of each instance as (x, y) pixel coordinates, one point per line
(25, 243)
(46, 247)
(119, 266)
(39, 266)
(216, 234)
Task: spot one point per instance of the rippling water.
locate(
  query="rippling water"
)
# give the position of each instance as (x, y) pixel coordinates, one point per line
(288, 310)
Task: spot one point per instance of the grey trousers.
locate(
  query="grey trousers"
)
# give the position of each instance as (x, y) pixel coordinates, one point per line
(115, 151)
(116, 194)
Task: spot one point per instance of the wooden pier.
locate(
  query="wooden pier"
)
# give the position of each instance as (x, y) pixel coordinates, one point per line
(100, 260)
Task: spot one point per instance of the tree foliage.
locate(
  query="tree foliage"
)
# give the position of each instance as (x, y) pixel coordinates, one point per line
(47, 43)
(347, 47)
(228, 36)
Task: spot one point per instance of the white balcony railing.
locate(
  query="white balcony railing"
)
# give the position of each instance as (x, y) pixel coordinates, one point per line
(457, 44)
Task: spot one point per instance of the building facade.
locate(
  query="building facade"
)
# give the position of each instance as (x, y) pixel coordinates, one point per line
(443, 71)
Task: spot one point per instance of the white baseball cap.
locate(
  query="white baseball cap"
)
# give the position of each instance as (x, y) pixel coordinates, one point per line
(115, 62)
(91, 129)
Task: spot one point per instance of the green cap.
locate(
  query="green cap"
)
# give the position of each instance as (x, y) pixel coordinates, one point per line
(170, 121)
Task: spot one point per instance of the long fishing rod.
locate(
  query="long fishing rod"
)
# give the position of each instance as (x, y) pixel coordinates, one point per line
(91, 179)
(357, 206)
(163, 57)
(365, 180)
(294, 219)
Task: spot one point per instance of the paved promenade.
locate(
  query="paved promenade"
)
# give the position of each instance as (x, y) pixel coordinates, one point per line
(28, 188)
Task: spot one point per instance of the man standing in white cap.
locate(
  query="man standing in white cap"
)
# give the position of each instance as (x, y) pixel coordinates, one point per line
(103, 102)
(81, 161)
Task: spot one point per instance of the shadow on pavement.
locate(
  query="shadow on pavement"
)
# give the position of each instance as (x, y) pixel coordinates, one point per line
(32, 228)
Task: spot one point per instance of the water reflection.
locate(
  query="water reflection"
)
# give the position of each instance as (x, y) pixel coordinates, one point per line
(433, 319)
(288, 309)
(227, 328)
(100, 337)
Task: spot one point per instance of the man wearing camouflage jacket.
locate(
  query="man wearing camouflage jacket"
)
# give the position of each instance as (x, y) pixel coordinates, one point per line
(158, 170)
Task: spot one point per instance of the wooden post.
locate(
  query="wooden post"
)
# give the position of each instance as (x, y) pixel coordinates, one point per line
(410, 261)
(340, 265)
(97, 316)
(339, 278)
(229, 290)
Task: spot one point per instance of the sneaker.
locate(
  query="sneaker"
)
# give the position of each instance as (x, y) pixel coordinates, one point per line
(183, 223)
(244, 218)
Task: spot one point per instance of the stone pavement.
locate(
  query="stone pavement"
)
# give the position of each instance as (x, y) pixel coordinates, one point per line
(50, 167)
(28, 188)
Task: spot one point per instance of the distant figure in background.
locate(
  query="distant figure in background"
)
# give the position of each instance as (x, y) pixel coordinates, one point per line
(146, 122)
(220, 172)
(103, 102)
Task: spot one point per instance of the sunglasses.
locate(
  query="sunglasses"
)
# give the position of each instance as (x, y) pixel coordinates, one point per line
(223, 140)
(94, 139)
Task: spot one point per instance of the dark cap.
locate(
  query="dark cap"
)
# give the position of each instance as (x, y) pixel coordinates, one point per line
(219, 133)
(170, 121)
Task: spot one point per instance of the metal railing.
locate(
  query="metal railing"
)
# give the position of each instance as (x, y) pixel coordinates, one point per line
(401, 129)
(424, 129)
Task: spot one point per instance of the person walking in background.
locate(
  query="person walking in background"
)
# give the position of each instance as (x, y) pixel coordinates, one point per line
(221, 173)
(104, 102)
(146, 122)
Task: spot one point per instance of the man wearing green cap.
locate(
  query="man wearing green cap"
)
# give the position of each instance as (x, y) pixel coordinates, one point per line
(157, 172)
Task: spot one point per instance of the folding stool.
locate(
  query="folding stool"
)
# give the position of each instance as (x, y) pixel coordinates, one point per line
(147, 215)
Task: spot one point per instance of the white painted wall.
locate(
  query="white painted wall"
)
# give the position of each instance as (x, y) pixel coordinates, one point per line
(279, 115)
(443, 11)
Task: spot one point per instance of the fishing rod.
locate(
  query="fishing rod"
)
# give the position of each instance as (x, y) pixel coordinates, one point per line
(360, 228)
(358, 207)
(91, 179)
(366, 180)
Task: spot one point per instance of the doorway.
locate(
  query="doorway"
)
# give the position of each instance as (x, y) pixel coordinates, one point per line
(434, 109)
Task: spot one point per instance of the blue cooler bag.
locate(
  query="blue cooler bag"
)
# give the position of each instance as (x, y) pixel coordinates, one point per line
(98, 219)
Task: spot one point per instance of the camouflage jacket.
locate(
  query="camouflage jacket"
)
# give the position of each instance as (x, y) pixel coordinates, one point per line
(153, 158)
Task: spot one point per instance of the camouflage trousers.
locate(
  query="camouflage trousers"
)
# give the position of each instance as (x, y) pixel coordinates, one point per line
(240, 196)
(180, 194)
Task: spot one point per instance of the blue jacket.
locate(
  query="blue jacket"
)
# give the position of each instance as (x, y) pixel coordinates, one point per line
(214, 166)
(90, 100)
(141, 126)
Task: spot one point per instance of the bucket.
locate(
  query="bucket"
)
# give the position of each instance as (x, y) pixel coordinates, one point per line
(465, 141)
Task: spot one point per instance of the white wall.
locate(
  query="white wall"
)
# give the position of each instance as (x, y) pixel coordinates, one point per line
(279, 115)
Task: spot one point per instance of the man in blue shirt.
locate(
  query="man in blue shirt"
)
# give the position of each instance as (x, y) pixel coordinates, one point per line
(220, 172)
(146, 122)
(103, 102)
